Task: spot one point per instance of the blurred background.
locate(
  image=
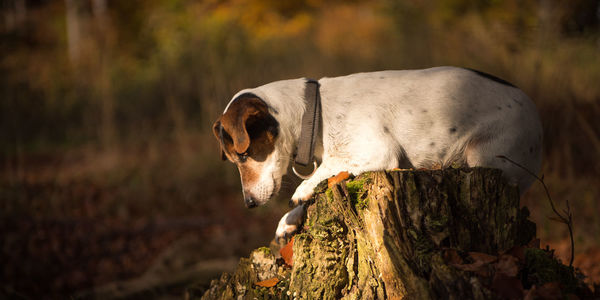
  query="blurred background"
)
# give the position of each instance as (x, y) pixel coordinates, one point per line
(107, 156)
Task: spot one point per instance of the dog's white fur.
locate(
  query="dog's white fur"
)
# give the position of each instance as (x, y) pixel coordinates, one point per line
(401, 119)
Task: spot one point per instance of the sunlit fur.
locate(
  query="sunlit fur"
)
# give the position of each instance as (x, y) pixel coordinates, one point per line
(428, 118)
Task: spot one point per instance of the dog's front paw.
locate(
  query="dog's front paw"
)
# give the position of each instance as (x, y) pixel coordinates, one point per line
(289, 224)
(284, 233)
(302, 194)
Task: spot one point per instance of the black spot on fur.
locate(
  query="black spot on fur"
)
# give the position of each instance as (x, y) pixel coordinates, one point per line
(453, 130)
(432, 144)
(508, 105)
(424, 111)
(385, 129)
(491, 77)
(499, 108)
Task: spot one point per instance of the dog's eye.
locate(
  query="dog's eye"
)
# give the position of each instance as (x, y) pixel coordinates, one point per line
(243, 157)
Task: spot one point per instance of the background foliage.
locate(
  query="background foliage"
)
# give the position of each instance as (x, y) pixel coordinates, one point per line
(106, 108)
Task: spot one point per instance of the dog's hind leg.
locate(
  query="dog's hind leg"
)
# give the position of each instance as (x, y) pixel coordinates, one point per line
(290, 223)
(523, 150)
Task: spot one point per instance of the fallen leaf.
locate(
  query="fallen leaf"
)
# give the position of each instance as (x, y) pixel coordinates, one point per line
(480, 265)
(531, 293)
(480, 268)
(451, 257)
(268, 283)
(508, 265)
(534, 243)
(287, 253)
(550, 291)
(486, 258)
(337, 178)
(518, 252)
(507, 287)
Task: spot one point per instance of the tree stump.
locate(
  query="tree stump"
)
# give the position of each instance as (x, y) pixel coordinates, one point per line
(389, 235)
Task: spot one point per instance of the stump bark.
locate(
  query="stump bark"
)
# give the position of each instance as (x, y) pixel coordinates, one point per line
(383, 235)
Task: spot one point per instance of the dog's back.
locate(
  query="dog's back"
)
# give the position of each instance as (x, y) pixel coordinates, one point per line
(428, 118)
(435, 117)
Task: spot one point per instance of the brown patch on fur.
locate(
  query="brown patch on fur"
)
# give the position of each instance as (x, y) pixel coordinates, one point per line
(247, 172)
(216, 131)
(247, 129)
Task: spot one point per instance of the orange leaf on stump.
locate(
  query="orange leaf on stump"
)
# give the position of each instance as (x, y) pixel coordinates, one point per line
(269, 282)
(287, 253)
(337, 178)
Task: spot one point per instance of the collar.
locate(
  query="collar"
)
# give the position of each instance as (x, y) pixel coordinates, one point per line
(311, 126)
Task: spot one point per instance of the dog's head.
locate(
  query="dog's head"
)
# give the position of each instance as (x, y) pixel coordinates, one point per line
(247, 134)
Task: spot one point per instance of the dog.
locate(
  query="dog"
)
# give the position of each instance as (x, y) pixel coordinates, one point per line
(430, 118)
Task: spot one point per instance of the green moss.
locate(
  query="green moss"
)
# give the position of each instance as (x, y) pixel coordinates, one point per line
(358, 192)
(264, 250)
(329, 195)
(424, 250)
(437, 223)
(456, 165)
(362, 203)
(321, 253)
(541, 267)
(356, 186)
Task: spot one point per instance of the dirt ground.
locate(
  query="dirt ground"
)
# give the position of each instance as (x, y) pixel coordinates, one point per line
(62, 237)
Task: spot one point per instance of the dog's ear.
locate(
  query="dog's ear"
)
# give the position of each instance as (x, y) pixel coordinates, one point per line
(217, 131)
(238, 115)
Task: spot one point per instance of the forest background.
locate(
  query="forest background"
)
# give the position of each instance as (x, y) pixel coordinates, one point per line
(106, 152)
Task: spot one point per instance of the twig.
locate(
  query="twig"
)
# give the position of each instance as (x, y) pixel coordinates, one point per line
(568, 219)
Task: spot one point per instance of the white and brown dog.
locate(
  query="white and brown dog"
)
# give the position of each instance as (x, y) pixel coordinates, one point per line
(376, 121)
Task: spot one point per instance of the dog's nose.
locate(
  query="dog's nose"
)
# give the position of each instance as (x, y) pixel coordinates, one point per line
(250, 203)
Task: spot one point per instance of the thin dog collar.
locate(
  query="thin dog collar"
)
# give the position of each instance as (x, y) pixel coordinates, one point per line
(311, 125)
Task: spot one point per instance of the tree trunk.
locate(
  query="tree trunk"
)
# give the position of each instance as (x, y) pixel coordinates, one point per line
(73, 30)
(385, 235)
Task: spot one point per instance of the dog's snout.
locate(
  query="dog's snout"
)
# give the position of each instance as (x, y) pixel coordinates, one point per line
(250, 202)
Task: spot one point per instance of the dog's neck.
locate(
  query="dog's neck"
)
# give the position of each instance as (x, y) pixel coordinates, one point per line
(287, 103)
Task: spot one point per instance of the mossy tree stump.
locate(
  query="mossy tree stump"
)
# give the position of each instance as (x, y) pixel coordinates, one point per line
(382, 235)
